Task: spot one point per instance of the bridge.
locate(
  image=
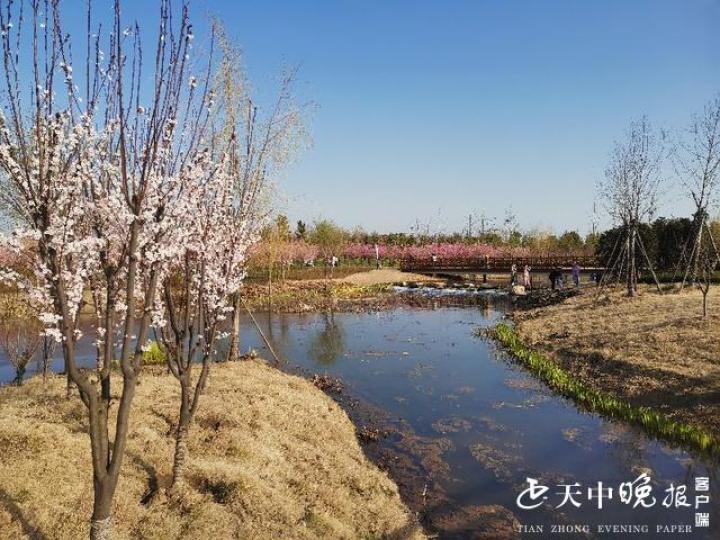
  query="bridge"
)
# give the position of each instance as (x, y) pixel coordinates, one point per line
(485, 265)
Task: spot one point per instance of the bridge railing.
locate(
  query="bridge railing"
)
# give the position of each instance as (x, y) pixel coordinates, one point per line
(486, 264)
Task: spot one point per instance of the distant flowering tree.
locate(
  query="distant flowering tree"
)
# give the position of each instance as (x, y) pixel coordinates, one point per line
(98, 181)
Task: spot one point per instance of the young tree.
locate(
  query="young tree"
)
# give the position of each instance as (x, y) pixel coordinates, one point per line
(260, 145)
(197, 293)
(630, 191)
(707, 263)
(698, 163)
(98, 180)
(329, 238)
(570, 242)
(20, 332)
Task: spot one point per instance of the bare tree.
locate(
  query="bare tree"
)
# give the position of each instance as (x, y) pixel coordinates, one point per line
(260, 144)
(20, 332)
(698, 163)
(706, 265)
(630, 191)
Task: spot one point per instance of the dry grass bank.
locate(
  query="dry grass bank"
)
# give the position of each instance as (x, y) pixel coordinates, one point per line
(311, 295)
(385, 276)
(271, 457)
(654, 350)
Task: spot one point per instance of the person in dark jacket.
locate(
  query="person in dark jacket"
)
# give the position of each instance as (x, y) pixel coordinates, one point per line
(554, 277)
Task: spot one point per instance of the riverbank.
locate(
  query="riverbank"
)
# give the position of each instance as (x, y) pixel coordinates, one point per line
(271, 456)
(654, 350)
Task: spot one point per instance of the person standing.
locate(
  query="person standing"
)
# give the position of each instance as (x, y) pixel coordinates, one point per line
(554, 278)
(576, 273)
(526, 277)
(513, 274)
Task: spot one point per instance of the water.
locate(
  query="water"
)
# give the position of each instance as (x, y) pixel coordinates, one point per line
(467, 427)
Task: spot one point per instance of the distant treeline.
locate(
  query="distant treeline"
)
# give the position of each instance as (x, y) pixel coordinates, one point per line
(535, 240)
(665, 239)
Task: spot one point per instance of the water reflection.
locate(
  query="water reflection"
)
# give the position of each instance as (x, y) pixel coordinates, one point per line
(472, 426)
(328, 343)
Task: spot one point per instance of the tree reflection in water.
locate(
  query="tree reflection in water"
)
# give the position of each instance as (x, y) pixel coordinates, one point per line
(329, 343)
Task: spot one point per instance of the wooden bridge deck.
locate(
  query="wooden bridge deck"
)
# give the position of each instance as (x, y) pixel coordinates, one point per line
(498, 264)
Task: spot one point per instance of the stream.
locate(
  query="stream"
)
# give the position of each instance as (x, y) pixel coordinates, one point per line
(463, 430)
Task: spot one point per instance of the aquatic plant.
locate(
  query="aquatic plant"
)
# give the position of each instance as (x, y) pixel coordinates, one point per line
(656, 424)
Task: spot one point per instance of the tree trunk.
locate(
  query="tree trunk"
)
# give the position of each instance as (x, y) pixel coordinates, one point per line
(47, 355)
(101, 529)
(180, 456)
(698, 247)
(632, 268)
(101, 522)
(705, 294)
(19, 375)
(234, 350)
(181, 450)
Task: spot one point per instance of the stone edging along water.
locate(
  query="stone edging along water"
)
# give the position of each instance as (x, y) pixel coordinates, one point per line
(656, 424)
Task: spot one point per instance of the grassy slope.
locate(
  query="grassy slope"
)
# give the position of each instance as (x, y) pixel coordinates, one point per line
(271, 457)
(654, 350)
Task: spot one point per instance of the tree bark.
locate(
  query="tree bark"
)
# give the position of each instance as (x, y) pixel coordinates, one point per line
(632, 268)
(180, 457)
(234, 350)
(101, 522)
(181, 450)
(101, 529)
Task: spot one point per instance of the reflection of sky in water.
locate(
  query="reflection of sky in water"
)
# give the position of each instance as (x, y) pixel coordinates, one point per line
(427, 367)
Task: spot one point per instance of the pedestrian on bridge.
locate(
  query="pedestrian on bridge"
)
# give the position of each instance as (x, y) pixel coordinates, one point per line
(527, 283)
(513, 275)
(576, 273)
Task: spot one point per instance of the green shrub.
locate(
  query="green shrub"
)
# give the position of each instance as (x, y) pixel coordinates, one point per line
(154, 355)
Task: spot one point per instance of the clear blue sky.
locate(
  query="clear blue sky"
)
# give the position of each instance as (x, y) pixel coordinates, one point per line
(445, 107)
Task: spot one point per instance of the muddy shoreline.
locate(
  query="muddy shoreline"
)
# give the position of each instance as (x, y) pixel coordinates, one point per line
(416, 464)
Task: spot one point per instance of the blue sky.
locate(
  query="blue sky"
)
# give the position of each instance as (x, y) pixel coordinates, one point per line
(431, 110)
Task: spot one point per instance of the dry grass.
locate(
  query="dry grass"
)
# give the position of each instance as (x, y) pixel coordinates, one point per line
(654, 349)
(385, 275)
(271, 457)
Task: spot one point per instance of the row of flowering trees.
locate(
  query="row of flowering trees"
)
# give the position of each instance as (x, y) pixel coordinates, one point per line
(301, 251)
(440, 250)
(138, 201)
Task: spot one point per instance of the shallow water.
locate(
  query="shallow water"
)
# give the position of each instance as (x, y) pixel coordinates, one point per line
(475, 426)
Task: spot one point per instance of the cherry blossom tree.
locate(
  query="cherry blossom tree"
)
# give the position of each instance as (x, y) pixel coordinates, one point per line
(197, 292)
(98, 179)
